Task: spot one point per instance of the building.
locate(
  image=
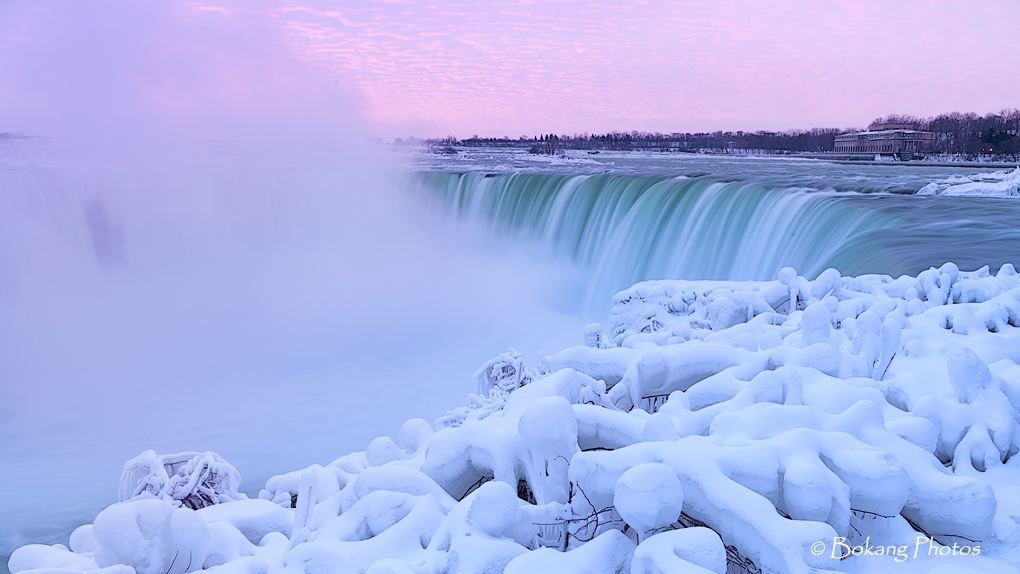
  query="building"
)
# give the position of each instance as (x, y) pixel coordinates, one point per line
(886, 138)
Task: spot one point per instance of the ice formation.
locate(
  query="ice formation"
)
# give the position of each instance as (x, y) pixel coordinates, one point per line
(1004, 183)
(191, 479)
(715, 426)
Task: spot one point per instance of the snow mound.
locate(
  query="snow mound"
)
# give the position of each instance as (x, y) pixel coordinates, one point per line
(192, 479)
(778, 426)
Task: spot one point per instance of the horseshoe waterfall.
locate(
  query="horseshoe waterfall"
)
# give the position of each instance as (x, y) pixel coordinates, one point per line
(323, 360)
(628, 228)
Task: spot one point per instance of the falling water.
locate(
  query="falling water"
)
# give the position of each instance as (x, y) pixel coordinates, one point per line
(631, 227)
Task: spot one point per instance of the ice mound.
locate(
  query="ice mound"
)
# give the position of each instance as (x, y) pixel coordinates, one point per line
(864, 424)
(1004, 183)
(190, 479)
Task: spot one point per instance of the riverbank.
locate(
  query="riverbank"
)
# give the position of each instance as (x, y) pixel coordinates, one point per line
(930, 164)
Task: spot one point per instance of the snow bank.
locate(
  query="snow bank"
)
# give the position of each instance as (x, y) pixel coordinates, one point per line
(1005, 183)
(714, 426)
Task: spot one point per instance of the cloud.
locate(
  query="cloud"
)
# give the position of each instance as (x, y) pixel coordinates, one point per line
(495, 67)
(502, 67)
(164, 69)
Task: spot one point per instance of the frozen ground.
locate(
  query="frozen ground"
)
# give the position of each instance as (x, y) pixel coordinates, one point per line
(856, 424)
(1004, 183)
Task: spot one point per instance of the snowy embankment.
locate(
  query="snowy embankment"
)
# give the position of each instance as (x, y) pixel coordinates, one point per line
(1003, 183)
(867, 424)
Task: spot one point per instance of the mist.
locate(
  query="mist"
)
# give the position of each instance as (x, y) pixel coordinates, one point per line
(280, 309)
(200, 259)
(152, 71)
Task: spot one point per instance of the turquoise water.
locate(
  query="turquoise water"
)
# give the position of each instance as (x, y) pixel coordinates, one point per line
(634, 220)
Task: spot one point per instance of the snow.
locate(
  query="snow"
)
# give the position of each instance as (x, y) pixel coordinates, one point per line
(777, 418)
(196, 480)
(548, 429)
(608, 553)
(694, 550)
(152, 536)
(648, 497)
(34, 556)
(254, 519)
(1003, 183)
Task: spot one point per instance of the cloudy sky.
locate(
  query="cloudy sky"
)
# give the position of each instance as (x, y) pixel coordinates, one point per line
(507, 67)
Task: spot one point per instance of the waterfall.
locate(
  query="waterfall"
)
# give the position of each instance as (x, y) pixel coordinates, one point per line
(631, 228)
(627, 228)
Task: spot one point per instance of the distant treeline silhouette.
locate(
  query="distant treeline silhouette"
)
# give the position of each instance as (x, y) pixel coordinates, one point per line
(968, 134)
(956, 133)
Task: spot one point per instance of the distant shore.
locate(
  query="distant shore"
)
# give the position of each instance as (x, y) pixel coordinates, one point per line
(930, 164)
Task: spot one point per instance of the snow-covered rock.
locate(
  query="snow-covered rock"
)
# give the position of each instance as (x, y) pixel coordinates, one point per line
(721, 425)
(152, 536)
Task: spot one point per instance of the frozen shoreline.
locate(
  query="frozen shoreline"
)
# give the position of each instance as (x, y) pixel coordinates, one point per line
(776, 415)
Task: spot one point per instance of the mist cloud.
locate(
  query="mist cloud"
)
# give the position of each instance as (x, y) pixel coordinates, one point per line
(120, 68)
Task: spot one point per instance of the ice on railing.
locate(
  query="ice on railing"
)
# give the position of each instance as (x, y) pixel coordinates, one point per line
(721, 426)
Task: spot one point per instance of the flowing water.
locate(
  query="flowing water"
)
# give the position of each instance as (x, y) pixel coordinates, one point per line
(284, 307)
(634, 218)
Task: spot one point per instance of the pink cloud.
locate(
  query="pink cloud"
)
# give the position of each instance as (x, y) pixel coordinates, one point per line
(517, 67)
(162, 69)
(501, 67)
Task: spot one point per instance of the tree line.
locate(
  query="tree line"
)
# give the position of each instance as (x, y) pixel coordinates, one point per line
(968, 134)
(818, 139)
(962, 134)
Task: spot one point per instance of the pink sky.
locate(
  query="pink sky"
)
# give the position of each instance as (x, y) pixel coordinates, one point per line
(399, 68)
